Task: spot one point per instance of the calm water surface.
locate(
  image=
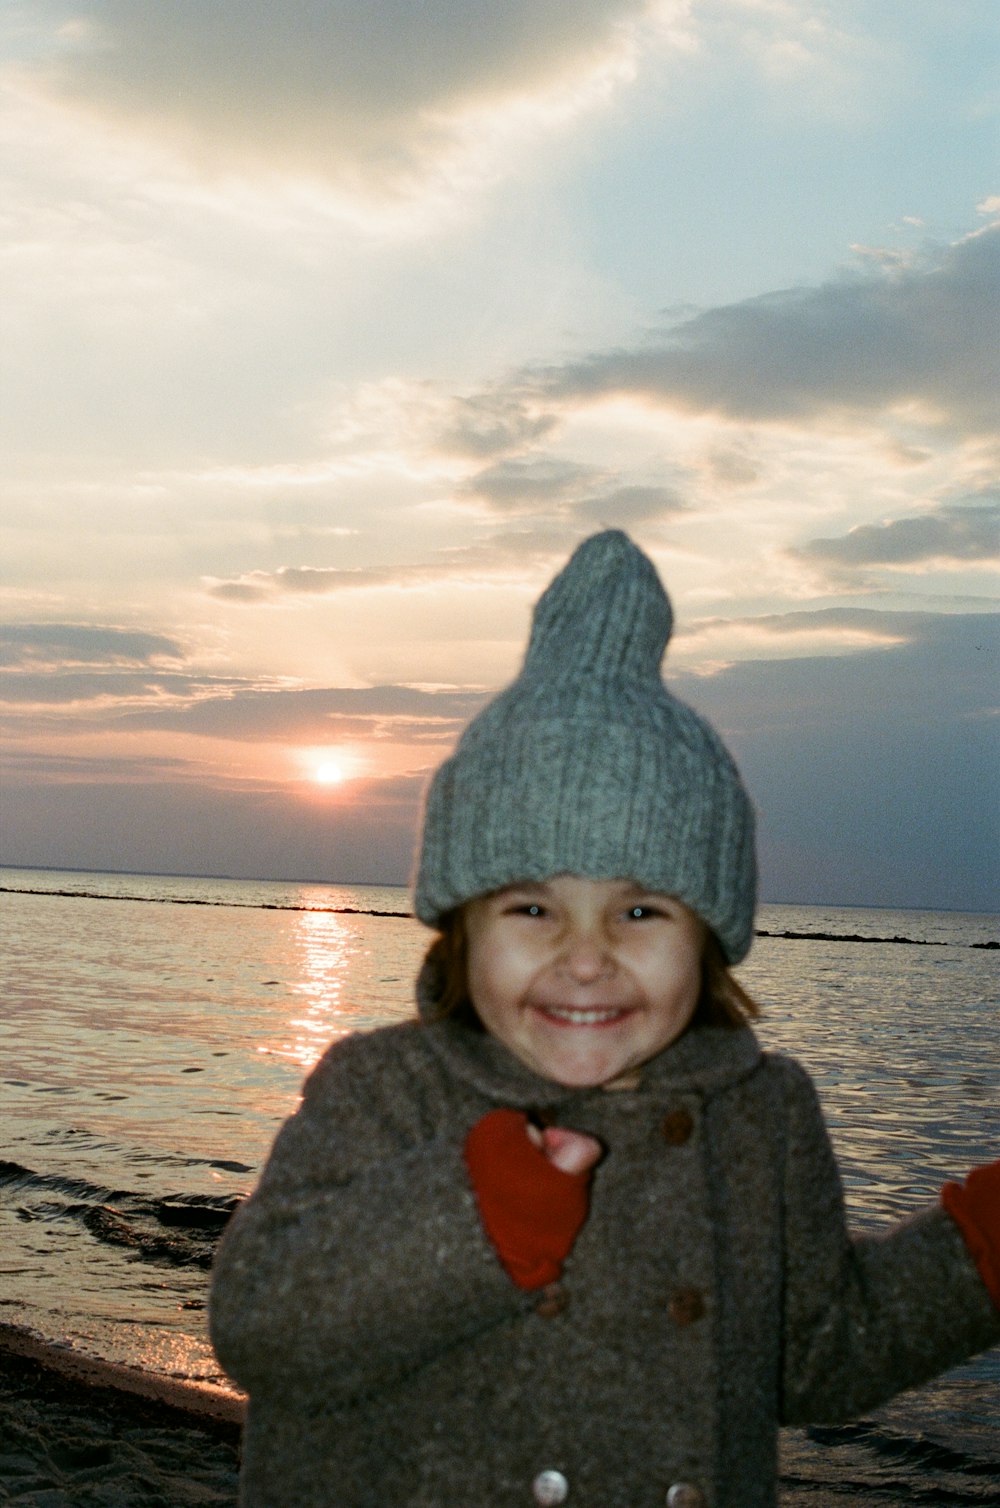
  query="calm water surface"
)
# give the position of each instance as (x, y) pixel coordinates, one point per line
(155, 1032)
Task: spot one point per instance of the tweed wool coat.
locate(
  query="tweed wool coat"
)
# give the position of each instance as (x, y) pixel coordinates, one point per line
(713, 1293)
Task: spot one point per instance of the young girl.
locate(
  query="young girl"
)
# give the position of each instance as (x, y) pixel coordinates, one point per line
(573, 1237)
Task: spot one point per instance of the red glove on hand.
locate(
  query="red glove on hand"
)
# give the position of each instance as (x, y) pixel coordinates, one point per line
(975, 1209)
(531, 1210)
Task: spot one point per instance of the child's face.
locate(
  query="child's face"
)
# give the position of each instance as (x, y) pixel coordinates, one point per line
(583, 979)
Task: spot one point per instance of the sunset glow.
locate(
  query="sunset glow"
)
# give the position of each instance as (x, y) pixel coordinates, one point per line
(329, 773)
(299, 420)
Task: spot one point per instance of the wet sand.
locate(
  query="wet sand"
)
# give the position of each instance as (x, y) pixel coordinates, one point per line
(78, 1433)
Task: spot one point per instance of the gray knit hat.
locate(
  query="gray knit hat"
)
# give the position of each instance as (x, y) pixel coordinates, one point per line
(586, 764)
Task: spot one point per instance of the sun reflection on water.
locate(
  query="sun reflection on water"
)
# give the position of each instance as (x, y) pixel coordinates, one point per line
(333, 973)
(323, 946)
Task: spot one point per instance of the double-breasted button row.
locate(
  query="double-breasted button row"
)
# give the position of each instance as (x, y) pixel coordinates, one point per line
(550, 1488)
(676, 1127)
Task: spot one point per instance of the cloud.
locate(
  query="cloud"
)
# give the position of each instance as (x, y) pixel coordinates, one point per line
(631, 503)
(947, 533)
(341, 89)
(257, 586)
(62, 644)
(494, 423)
(516, 484)
(837, 629)
(326, 581)
(918, 669)
(710, 649)
(553, 487)
(84, 681)
(65, 687)
(733, 466)
(494, 558)
(81, 768)
(923, 337)
(58, 664)
(106, 698)
(405, 714)
(874, 773)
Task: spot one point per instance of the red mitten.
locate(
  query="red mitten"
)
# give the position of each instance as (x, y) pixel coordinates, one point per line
(975, 1209)
(531, 1210)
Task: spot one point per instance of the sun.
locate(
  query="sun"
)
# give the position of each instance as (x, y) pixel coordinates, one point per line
(327, 768)
(330, 772)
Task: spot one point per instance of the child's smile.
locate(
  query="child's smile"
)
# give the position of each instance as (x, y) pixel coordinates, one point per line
(583, 979)
(582, 1017)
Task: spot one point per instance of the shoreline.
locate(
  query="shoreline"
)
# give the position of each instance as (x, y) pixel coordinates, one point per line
(194, 1400)
(77, 1432)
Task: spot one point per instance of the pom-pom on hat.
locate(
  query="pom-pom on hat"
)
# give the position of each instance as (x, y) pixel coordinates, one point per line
(586, 764)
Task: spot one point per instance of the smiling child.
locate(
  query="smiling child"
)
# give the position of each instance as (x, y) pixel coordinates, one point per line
(572, 1237)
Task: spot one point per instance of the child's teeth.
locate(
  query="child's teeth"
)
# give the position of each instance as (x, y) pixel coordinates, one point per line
(584, 1017)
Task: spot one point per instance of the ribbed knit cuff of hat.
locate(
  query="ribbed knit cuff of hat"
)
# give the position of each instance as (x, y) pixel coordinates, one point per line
(531, 1210)
(975, 1208)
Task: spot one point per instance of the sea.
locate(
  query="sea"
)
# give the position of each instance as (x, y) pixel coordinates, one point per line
(155, 1032)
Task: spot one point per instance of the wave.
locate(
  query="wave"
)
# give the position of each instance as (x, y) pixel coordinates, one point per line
(179, 1229)
(872, 1461)
(917, 1451)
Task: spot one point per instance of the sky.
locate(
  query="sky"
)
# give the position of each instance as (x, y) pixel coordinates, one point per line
(330, 328)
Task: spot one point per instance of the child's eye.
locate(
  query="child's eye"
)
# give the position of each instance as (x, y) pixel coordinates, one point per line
(525, 908)
(643, 913)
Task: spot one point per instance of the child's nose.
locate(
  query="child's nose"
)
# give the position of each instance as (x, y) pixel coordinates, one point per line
(586, 956)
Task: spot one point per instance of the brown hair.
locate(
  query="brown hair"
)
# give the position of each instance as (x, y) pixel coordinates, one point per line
(722, 1002)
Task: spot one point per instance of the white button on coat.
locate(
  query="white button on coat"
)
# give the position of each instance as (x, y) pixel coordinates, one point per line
(686, 1495)
(550, 1488)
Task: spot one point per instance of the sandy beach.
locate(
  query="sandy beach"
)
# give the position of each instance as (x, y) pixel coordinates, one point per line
(78, 1433)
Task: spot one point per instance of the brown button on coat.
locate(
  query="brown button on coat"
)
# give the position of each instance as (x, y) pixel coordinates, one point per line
(676, 1127)
(714, 1291)
(686, 1305)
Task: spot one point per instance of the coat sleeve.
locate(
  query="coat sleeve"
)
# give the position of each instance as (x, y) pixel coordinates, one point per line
(361, 1255)
(865, 1317)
